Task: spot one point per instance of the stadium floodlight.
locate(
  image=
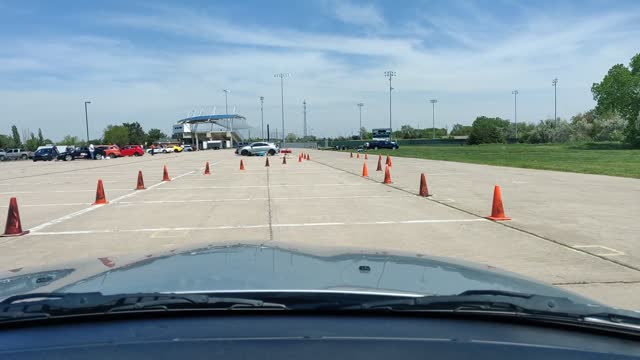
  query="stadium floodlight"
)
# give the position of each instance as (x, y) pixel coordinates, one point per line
(282, 76)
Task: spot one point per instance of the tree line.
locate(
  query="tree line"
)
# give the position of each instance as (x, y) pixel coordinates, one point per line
(125, 134)
(28, 140)
(616, 116)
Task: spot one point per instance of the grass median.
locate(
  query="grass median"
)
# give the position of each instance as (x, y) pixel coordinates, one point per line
(594, 158)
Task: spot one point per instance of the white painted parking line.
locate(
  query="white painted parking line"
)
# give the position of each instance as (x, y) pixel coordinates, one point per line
(58, 191)
(259, 226)
(257, 199)
(217, 200)
(93, 207)
(258, 186)
(47, 205)
(600, 250)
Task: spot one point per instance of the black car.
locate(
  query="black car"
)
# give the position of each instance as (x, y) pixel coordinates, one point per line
(46, 154)
(75, 153)
(382, 144)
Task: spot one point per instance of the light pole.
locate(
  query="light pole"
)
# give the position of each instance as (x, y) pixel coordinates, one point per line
(86, 118)
(226, 111)
(304, 122)
(360, 105)
(433, 115)
(554, 82)
(515, 110)
(390, 74)
(282, 76)
(262, 117)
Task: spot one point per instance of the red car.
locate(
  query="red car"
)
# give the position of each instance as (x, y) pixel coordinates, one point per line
(132, 150)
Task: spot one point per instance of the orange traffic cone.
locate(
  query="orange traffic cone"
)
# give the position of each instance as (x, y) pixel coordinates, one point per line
(365, 171)
(140, 185)
(366, 157)
(13, 226)
(308, 157)
(165, 174)
(284, 160)
(266, 163)
(357, 155)
(352, 155)
(387, 175)
(101, 199)
(241, 165)
(379, 168)
(424, 191)
(300, 158)
(497, 210)
(206, 169)
(389, 160)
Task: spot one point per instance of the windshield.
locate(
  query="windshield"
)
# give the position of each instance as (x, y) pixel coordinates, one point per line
(359, 146)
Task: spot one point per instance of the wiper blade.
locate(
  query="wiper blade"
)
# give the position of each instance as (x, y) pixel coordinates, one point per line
(490, 301)
(46, 305)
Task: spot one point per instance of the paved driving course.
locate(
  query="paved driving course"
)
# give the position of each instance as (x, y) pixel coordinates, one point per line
(577, 231)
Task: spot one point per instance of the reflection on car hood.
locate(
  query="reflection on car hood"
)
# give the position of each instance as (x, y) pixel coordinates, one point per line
(257, 267)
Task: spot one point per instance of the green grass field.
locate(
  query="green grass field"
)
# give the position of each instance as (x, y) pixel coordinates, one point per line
(598, 158)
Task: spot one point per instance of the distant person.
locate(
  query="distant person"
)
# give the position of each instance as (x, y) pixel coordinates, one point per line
(153, 149)
(92, 151)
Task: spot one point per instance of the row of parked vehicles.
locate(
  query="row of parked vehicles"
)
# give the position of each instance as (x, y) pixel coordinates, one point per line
(68, 153)
(100, 152)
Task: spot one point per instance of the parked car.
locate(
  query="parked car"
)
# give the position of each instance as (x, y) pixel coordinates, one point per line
(132, 150)
(177, 148)
(382, 144)
(18, 154)
(110, 151)
(75, 153)
(187, 148)
(3, 155)
(257, 148)
(46, 154)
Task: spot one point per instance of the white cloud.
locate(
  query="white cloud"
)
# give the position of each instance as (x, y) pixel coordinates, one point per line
(364, 15)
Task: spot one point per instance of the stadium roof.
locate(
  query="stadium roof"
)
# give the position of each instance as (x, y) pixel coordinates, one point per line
(238, 121)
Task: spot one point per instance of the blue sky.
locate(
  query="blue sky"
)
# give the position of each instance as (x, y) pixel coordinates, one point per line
(156, 62)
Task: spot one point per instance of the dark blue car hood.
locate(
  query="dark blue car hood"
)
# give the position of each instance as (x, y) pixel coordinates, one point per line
(262, 268)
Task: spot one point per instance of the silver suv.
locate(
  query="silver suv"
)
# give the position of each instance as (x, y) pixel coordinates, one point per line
(259, 148)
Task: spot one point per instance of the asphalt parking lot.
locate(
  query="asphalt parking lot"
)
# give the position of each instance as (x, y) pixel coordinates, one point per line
(572, 230)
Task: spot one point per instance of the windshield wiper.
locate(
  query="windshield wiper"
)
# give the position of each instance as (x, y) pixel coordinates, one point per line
(46, 305)
(507, 302)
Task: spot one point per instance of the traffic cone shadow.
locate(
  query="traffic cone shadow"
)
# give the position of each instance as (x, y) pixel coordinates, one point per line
(13, 226)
